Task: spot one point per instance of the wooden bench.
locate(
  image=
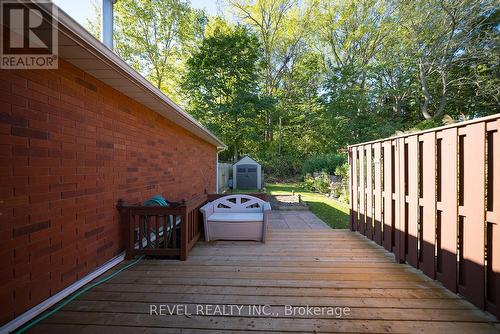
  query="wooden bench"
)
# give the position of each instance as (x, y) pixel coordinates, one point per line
(236, 217)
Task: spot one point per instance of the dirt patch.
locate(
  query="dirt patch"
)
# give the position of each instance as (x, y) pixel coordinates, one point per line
(287, 202)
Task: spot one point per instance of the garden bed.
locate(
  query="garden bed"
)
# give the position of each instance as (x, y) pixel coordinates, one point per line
(287, 202)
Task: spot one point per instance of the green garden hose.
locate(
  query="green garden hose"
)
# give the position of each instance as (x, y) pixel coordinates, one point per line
(159, 200)
(73, 297)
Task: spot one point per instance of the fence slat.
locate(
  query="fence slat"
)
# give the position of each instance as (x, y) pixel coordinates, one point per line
(141, 231)
(354, 192)
(412, 202)
(369, 193)
(400, 231)
(447, 264)
(493, 293)
(351, 204)
(362, 173)
(428, 221)
(388, 207)
(377, 233)
(473, 211)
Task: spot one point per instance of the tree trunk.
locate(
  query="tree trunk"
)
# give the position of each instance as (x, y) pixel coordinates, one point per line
(235, 153)
(280, 133)
(444, 92)
(425, 90)
(270, 127)
(396, 108)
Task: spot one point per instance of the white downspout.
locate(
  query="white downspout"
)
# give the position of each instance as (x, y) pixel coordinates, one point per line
(107, 23)
(217, 172)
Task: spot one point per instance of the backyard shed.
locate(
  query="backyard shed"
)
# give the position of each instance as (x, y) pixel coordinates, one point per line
(247, 174)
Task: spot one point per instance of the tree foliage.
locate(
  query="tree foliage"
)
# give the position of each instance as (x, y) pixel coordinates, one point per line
(288, 80)
(221, 83)
(156, 37)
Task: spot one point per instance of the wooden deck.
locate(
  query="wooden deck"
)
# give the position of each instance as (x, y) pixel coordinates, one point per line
(331, 268)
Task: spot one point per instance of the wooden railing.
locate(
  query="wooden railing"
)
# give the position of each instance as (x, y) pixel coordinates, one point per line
(167, 231)
(433, 199)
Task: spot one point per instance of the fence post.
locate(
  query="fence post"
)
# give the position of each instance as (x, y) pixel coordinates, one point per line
(472, 213)
(447, 209)
(411, 201)
(184, 231)
(369, 193)
(388, 187)
(377, 160)
(493, 221)
(400, 221)
(127, 229)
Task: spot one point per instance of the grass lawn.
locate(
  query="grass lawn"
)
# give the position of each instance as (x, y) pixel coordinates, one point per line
(334, 213)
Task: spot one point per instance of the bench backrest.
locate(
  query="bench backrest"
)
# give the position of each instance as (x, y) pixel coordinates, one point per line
(238, 203)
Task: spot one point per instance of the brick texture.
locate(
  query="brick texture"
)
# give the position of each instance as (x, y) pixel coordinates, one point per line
(70, 147)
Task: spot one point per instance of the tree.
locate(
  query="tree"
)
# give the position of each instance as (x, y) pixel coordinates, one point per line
(155, 37)
(476, 73)
(281, 26)
(291, 79)
(221, 83)
(437, 33)
(350, 35)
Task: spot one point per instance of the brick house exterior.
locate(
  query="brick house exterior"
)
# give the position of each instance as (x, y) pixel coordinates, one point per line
(71, 146)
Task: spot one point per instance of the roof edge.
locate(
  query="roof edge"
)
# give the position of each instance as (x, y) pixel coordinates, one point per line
(98, 49)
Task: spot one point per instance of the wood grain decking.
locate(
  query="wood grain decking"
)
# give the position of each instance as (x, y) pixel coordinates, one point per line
(330, 268)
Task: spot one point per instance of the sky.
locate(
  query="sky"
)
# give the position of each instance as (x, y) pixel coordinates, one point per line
(81, 10)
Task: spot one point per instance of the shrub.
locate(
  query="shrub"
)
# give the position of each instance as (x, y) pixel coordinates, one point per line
(281, 167)
(340, 190)
(344, 197)
(337, 189)
(323, 163)
(319, 183)
(343, 171)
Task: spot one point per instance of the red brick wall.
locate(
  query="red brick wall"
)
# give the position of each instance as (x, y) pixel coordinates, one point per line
(70, 148)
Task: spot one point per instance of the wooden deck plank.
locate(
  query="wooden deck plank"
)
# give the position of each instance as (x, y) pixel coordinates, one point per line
(327, 268)
(358, 313)
(407, 303)
(271, 324)
(274, 269)
(427, 292)
(293, 264)
(283, 276)
(275, 283)
(102, 329)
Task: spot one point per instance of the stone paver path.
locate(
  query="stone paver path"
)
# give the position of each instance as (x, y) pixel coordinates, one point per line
(295, 220)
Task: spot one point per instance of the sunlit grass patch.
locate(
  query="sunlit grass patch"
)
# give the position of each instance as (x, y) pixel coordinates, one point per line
(332, 212)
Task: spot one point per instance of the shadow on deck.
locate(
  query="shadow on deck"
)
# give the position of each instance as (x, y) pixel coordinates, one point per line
(320, 268)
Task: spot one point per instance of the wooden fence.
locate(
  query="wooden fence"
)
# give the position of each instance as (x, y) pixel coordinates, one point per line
(433, 199)
(224, 171)
(163, 230)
